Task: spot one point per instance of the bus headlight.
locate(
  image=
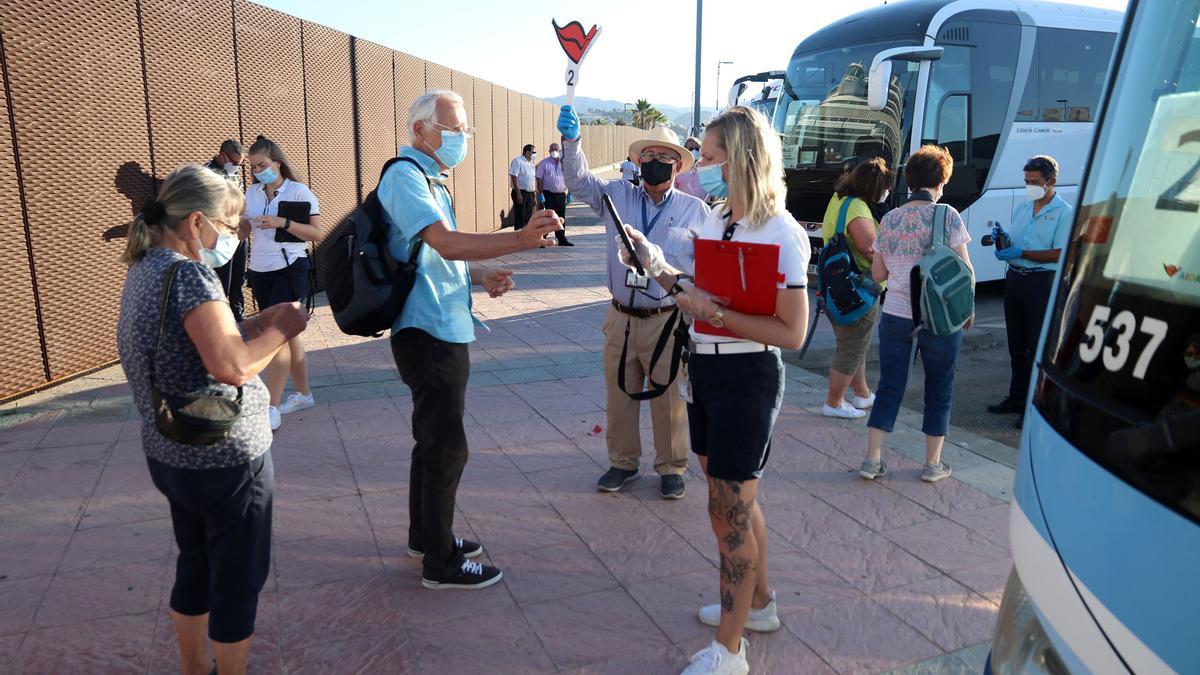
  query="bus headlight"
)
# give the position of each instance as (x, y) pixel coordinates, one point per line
(1020, 644)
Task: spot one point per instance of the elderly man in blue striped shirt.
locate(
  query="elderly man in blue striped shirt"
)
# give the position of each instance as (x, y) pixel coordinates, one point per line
(640, 307)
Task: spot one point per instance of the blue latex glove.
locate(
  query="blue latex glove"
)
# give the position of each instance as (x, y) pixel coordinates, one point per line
(568, 123)
(1010, 253)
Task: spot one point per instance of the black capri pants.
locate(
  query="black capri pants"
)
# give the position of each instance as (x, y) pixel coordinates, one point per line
(735, 402)
(289, 284)
(222, 523)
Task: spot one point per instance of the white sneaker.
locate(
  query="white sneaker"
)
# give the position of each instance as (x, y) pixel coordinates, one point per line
(765, 620)
(863, 403)
(296, 401)
(844, 411)
(717, 660)
(273, 417)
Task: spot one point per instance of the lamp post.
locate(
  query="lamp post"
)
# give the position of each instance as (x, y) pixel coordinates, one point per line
(624, 109)
(719, 64)
(696, 93)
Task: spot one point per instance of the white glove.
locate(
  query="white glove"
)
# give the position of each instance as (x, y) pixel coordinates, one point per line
(649, 253)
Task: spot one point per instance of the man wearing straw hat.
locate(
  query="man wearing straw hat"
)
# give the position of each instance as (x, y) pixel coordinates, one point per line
(640, 307)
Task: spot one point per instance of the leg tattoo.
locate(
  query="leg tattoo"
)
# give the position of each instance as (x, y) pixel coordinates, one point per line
(726, 506)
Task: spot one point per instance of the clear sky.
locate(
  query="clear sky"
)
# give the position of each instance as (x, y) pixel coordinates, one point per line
(646, 48)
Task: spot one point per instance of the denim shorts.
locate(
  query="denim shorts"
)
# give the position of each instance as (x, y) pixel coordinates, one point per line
(939, 357)
(735, 401)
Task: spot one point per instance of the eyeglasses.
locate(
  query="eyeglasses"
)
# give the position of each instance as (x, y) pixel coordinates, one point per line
(469, 131)
(664, 157)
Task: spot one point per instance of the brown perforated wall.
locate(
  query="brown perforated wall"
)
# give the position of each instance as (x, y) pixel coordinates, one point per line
(271, 77)
(500, 154)
(464, 173)
(20, 349)
(481, 148)
(190, 41)
(409, 84)
(376, 111)
(212, 69)
(330, 122)
(82, 110)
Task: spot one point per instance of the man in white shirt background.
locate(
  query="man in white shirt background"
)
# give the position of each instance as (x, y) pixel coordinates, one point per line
(522, 180)
(630, 172)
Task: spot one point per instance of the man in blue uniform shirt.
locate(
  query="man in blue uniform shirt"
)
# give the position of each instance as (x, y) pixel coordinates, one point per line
(1041, 226)
(431, 337)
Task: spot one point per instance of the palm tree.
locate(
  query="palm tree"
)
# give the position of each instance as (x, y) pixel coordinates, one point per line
(646, 116)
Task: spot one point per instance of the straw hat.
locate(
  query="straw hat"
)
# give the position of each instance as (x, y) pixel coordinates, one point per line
(664, 138)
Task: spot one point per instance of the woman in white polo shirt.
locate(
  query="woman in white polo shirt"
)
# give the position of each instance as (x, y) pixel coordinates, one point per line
(737, 382)
(279, 269)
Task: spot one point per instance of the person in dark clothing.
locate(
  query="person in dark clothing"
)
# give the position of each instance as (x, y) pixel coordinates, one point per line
(228, 163)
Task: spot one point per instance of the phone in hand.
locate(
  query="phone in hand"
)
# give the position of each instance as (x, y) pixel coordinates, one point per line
(612, 211)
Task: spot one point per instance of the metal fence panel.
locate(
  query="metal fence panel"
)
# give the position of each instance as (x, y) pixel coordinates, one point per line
(464, 173)
(375, 85)
(481, 148)
(409, 84)
(501, 140)
(271, 76)
(21, 366)
(76, 84)
(437, 76)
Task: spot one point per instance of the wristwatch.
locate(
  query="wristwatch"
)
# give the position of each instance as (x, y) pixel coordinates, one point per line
(718, 318)
(287, 223)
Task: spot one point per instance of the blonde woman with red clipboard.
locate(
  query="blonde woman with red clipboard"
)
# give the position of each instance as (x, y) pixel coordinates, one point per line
(752, 254)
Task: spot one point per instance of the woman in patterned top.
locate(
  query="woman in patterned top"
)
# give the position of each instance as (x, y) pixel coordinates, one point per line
(904, 235)
(219, 494)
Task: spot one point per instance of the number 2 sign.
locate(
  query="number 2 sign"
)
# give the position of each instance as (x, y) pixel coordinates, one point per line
(575, 43)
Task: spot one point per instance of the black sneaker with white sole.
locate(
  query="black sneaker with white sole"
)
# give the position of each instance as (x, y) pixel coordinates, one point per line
(470, 576)
(671, 486)
(614, 479)
(468, 548)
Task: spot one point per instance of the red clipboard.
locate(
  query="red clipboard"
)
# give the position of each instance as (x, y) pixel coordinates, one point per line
(747, 274)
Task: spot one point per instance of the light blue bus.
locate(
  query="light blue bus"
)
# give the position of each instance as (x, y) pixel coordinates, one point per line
(1105, 525)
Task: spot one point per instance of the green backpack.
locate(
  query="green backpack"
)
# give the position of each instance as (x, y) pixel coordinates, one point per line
(943, 285)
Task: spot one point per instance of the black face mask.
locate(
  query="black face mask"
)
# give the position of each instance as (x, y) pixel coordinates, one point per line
(655, 172)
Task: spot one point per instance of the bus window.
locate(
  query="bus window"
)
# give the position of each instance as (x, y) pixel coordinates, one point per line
(952, 126)
(1066, 76)
(1121, 369)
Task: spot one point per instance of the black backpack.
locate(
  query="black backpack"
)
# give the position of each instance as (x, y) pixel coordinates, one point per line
(365, 284)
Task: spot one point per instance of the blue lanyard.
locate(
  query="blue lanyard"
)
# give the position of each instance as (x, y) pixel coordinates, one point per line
(650, 225)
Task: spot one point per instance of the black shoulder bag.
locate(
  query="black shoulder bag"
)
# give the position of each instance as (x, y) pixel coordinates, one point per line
(191, 420)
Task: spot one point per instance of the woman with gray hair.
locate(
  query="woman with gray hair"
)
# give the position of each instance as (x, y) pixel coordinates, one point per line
(194, 376)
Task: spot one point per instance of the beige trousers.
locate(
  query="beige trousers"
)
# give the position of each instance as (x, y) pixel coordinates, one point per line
(668, 413)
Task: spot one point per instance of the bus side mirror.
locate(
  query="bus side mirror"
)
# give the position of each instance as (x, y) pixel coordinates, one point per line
(877, 85)
(879, 78)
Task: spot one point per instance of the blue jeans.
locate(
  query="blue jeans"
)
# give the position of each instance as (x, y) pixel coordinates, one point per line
(939, 355)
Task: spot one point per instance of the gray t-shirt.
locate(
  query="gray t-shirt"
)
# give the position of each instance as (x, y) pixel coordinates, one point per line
(179, 368)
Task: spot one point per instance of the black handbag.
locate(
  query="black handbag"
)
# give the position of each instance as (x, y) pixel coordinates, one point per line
(191, 420)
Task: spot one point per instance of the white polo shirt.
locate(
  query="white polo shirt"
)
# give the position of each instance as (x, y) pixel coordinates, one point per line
(266, 254)
(524, 170)
(781, 229)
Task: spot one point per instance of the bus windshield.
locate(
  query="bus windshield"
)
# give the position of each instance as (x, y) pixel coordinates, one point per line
(823, 118)
(1121, 366)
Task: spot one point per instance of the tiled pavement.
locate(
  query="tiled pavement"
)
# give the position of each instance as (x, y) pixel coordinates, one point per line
(870, 577)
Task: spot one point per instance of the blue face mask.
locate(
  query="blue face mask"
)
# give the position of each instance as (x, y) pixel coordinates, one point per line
(711, 180)
(267, 175)
(453, 150)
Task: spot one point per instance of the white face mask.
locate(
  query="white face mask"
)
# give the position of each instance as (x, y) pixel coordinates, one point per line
(1035, 192)
(222, 250)
(554, 154)
(231, 169)
(885, 196)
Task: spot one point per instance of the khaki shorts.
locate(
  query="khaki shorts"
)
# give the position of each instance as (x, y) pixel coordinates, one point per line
(853, 341)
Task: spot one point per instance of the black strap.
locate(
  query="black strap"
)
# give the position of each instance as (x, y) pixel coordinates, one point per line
(675, 326)
(416, 249)
(165, 295)
(728, 235)
(813, 328)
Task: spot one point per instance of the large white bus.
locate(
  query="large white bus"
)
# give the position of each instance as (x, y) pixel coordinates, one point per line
(995, 81)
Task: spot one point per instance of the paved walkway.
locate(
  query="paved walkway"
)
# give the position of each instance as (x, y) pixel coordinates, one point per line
(870, 577)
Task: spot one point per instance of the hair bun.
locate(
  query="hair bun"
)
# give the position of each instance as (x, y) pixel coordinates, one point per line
(260, 137)
(153, 212)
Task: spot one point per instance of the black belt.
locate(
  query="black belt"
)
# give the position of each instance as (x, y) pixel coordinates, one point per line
(640, 313)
